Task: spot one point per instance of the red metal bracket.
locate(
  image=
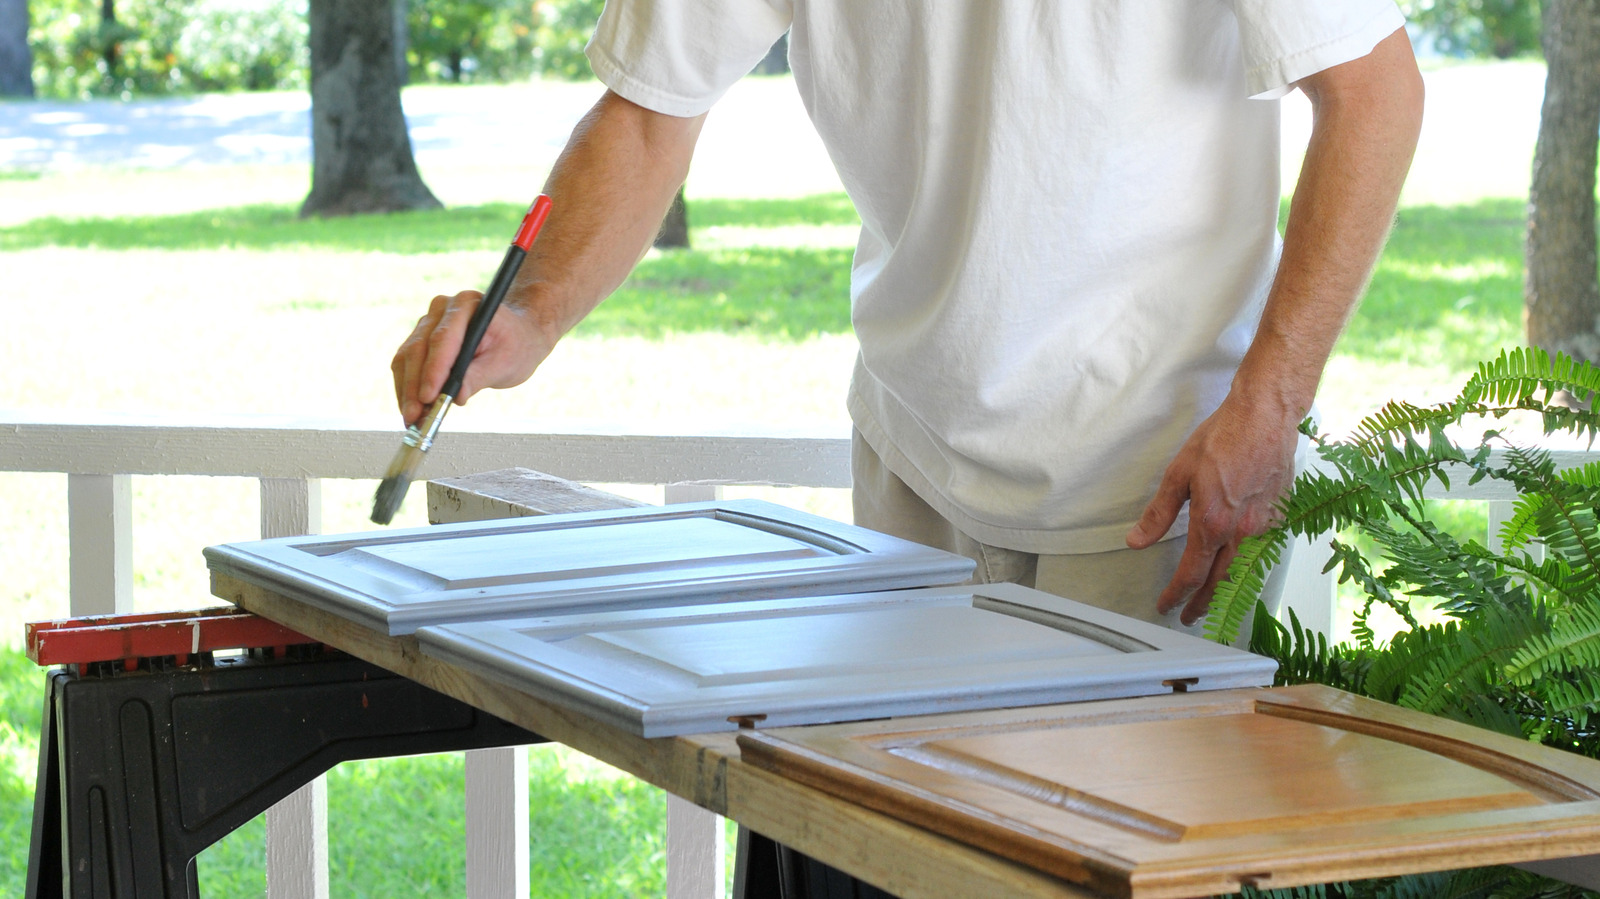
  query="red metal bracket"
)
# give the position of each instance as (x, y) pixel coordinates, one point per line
(129, 638)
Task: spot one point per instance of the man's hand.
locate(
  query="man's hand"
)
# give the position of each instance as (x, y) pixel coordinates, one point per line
(1231, 471)
(507, 355)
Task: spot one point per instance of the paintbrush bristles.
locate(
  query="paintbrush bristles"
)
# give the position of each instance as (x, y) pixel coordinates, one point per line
(392, 492)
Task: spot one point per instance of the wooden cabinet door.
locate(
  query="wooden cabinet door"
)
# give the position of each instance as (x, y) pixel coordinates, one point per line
(1198, 794)
(698, 668)
(396, 581)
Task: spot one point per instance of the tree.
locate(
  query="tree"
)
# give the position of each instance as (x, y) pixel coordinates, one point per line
(674, 233)
(1498, 28)
(1562, 295)
(16, 60)
(361, 158)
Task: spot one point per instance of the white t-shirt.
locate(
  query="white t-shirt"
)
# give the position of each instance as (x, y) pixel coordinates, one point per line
(1069, 219)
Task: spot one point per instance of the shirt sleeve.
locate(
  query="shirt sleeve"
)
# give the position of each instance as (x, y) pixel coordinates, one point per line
(677, 57)
(1287, 40)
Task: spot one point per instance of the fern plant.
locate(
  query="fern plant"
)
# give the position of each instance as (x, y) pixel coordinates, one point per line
(1518, 650)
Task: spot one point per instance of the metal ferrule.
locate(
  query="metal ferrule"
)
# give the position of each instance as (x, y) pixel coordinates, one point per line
(421, 434)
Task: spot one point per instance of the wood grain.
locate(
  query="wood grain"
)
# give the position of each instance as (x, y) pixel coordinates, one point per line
(1196, 794)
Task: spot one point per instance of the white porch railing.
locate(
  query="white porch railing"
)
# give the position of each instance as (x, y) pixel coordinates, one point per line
(101, 454)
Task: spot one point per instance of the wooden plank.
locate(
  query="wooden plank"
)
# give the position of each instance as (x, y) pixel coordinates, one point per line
(1198, 794)
(514, 493)
(704, 769)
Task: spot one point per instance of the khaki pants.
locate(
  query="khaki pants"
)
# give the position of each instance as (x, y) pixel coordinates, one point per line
(1125, 581)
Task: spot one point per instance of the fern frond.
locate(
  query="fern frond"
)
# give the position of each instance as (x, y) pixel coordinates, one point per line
(1240, 591)
(1470, 883)
(1571, 644)
(1303, 655)
(1528, 378)
(1398, 419)
(1575, 699)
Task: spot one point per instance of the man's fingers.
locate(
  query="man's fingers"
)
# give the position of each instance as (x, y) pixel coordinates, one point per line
(409, 359)
(1200, 603)
(1194, 567)
(1161, 512)
(444, 343)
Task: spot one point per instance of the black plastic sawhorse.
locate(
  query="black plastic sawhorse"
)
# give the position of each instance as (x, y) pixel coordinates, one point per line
(140, 771)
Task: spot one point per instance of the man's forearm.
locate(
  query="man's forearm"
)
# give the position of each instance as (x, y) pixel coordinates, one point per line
(611, 186)
(1366, 117)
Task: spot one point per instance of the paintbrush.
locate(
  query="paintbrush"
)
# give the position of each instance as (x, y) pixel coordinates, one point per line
(420, 436)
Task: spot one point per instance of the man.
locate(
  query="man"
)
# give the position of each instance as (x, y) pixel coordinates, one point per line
(1079, 338)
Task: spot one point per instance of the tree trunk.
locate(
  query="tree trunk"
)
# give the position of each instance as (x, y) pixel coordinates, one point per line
(360, 152)
(1562, 294)
(674, 233)
(108, 33)
(16, 60)
(402, 37)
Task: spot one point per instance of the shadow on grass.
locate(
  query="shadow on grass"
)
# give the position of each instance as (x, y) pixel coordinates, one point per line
(269, 227)
(776, 293)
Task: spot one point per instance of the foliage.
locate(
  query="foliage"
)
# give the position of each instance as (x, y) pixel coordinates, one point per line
(179, 46)
(243, 44)
(1500, 29)
(167, 46)
(563, 31)
(1519, 649)
(464, 41)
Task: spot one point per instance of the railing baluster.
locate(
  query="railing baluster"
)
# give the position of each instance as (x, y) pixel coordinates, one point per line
(696, 841)
(696, 851)
(297, 827)
(497, 823)
(1306, 589)
(100, 543)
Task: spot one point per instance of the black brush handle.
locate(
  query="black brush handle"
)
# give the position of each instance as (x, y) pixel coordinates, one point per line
(479, 323)
(507, 273)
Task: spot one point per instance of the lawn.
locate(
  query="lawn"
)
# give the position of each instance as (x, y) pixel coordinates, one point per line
(196, 302)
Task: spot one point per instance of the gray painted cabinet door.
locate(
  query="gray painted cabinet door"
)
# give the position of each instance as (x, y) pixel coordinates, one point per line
(694, 668)
(396, 581)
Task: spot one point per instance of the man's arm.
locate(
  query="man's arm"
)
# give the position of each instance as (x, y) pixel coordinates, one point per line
(1366, 115)
(610, 187)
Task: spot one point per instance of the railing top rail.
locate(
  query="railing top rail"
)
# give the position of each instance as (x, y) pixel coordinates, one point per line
(276, 446)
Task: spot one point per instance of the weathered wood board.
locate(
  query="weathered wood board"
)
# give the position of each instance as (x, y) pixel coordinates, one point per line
(699, 668)
(398, 580)
(1198, 794)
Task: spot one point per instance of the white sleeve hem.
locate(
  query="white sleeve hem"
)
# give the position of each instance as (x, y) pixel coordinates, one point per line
(612, 74)
(1275, 78)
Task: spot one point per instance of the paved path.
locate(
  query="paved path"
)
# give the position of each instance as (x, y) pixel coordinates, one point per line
(275, 128)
